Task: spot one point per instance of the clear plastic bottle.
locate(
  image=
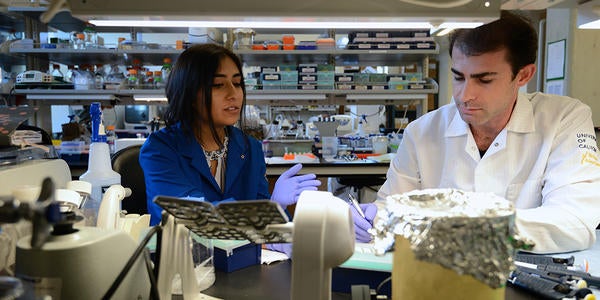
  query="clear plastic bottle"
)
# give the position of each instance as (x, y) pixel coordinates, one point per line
(166, 68)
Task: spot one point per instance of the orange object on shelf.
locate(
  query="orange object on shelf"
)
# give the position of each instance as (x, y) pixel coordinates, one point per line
(366, 155)
(258, 47)
(289, 47)
(289, 156)
(288, 39)
(273, 47)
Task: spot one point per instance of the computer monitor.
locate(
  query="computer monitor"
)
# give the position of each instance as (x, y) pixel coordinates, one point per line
(138, 117)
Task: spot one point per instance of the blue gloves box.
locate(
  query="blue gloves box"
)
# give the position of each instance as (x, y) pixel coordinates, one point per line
(230, 255)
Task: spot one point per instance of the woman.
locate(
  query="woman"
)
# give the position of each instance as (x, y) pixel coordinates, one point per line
(200, 153)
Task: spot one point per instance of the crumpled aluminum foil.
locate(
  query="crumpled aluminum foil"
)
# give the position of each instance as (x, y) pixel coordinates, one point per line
(467, 232)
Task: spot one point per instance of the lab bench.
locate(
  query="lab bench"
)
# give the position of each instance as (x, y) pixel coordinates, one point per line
(274, 281)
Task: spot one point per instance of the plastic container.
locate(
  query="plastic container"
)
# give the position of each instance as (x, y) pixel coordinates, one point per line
(100, 173)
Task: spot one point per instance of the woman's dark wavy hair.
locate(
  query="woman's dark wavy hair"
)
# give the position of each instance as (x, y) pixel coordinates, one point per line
(512, 32)
(192, 75)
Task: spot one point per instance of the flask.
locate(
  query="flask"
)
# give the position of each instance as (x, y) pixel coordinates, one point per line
(57, 75)
(166, 69)
(99, 173)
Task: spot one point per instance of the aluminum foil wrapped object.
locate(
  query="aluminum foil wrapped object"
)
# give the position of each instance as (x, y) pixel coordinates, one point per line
(467, 232)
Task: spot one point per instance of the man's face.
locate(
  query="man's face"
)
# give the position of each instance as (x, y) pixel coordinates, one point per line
(484, 89)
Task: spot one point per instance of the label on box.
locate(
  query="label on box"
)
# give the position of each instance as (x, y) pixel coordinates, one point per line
(308, 78)
(271, 77)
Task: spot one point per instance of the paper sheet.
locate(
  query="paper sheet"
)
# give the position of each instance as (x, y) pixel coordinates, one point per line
(267, 256)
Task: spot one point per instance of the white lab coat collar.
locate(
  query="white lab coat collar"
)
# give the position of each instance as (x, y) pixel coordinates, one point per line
(521, 119)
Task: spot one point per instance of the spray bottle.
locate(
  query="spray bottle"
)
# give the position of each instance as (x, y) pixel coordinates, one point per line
(99, 173)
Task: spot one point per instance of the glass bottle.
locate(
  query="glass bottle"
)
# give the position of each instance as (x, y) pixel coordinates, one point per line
(90, 36)
(149, 80)
(79, 41)
(115, 78)
(166, 68)
(99, 77)
(158, 81)
(133, 81)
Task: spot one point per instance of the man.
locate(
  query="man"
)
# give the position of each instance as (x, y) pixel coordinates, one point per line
(538, 151)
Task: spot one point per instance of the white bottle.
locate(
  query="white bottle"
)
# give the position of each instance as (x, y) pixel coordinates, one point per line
(100, 173)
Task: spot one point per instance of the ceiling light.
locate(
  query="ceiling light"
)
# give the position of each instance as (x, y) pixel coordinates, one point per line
(262, 24)
(588, 15)
(447, 27)
(150, 98)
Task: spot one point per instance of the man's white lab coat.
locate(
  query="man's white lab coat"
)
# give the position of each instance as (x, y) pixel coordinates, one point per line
(545, 161)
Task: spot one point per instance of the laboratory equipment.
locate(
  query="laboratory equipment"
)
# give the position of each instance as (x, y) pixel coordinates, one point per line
(329, 146)
(63, 262)
(322, 222)
(380, 144)
(32, 77)
(244, 38)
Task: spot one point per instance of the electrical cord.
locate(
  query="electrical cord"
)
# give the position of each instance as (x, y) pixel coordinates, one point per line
(432, 4)
(381, 284)
(136, 254)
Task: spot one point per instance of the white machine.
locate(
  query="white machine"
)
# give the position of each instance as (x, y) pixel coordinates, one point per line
(324, 238)
(70, 263)
(34, 77)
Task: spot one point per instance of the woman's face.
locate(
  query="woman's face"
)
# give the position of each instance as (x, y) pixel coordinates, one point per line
(227, 94)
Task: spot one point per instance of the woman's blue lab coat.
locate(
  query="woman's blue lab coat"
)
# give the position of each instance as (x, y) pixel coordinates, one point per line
(174, 165)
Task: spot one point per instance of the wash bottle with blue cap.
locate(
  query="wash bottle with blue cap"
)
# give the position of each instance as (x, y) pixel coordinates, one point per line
(99, 173)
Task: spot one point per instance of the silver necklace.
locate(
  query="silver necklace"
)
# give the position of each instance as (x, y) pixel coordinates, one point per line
(217, 154)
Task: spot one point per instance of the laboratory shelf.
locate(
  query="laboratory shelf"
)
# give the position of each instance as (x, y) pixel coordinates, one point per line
(69, 56)
(338, 56)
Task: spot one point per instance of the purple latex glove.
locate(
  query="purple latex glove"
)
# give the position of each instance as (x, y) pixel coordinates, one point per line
(361, 225)
(285, 248)
(289, 186)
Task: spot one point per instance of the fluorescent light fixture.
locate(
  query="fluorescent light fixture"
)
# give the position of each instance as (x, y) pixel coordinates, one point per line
(263, 24)
(150, 98)
(447, 27)
(590, 25)
(70, 97)
(588, 15)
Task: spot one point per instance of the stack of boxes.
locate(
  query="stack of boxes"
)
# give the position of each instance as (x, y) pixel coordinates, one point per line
(297, 77)
(401, 40)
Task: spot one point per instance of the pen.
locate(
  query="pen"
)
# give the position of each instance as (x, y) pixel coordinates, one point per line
(352, 201)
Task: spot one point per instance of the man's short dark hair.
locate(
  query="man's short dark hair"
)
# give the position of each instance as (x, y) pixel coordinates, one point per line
(511, 32)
